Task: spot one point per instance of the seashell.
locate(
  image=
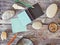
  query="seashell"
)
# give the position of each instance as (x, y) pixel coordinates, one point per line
(4, 36)
(15, 6)
(8, 14)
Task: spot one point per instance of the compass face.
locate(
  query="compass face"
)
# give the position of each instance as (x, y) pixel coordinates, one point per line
(53, 27)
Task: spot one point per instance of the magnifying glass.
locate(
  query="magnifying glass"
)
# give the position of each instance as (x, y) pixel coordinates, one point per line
(25, 41)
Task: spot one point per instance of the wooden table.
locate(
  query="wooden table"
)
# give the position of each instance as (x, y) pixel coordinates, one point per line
(42, 36)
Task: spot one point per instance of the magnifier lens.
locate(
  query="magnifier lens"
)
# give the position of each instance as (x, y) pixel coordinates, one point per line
(25, 42)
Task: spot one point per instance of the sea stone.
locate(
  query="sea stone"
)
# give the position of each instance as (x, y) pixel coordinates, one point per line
(51, 10)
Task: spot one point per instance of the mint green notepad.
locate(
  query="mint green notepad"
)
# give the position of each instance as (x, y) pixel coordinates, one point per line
(24, 18)
(17, 26)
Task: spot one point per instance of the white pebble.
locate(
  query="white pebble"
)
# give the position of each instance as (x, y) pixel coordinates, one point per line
(51, 10)
(37, 25)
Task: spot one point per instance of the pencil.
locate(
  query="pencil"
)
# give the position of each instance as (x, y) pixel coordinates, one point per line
(24, 3)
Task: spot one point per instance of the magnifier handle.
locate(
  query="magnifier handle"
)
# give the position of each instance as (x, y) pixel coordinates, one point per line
(12, 39)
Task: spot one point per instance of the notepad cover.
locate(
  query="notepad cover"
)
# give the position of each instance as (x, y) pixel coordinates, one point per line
(24, 18)
(17, 26)
(36, 11)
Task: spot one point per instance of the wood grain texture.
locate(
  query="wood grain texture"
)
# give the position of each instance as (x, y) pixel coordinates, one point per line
(42, 36)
